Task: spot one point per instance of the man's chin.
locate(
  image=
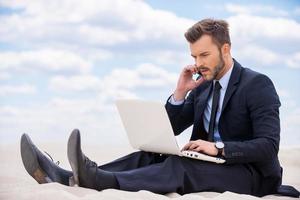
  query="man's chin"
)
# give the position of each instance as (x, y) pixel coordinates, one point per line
(208, 77)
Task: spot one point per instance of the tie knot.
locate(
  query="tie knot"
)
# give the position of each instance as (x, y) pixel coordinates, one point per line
(217, 85)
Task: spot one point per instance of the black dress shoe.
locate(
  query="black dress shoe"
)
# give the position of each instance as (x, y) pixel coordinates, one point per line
(41, 168)
(85, 172)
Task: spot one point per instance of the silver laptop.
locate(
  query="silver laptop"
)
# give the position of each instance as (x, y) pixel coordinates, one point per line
(148, 129)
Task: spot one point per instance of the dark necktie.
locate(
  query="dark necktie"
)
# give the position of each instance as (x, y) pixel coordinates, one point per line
(214, 108)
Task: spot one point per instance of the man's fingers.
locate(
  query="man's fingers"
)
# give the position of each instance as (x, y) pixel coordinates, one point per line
(193, 146)
(186, 146)
(199, 81)
(191, 68)
(190, 146)
(198, 149)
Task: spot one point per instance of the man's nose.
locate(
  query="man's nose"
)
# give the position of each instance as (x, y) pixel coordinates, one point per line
(199, 62)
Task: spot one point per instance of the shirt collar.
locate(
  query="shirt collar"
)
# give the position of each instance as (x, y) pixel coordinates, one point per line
(225, 79)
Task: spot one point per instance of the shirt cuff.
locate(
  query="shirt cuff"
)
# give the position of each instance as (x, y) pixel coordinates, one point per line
(174, 102)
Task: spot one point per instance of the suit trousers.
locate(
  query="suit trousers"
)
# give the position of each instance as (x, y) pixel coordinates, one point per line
(170, 173)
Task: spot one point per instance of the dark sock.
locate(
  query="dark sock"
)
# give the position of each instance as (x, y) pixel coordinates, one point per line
(106, 180)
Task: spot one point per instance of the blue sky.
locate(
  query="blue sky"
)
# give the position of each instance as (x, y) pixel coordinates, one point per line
(63, 63)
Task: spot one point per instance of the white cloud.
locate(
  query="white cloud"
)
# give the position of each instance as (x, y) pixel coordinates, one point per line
(294, 118)
(158, 24)
(294, 61)
(101, 36)
(296, 11)
(119, 83)
(75, 37)
(110, 94)
(48, 60)
(123, 83)
(262, 40)
(255, 9)
(55, 120)
(25, 89)
(94, 55)
(144, 76)
(255, 53)
(261, 56)
(88, 22)
(178, 59)
(249, 28)
(74, 83)
(154, 76)
(283, 93)
(81, 106)
(5, 76)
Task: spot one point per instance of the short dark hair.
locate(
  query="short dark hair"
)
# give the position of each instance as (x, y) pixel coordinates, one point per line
(217, 29)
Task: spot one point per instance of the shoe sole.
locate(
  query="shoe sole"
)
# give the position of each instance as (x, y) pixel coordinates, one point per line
(73, 142)
(30, 161)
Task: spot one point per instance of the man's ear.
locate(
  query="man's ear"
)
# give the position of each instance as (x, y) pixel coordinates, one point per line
(225, 50)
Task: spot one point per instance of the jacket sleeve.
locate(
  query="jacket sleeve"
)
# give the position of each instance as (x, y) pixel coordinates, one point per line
(263, 106)
(181, 116)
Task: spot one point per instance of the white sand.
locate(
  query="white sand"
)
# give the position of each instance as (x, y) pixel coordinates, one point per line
(16, 184)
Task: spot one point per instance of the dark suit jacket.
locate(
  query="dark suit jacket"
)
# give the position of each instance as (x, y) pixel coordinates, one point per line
(249, 123)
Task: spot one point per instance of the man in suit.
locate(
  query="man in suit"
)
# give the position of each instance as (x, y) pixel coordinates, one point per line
(235, 115)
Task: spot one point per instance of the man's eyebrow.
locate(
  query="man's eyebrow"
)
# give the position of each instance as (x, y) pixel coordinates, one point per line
(201, 54)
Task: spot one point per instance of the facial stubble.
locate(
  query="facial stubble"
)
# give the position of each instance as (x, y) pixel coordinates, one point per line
(217, 69)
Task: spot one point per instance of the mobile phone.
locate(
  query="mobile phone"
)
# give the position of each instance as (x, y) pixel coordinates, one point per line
(198, 75)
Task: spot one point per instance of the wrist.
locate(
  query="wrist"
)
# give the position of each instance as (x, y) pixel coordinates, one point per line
(219, 146)
(215, 150)
(179, 95)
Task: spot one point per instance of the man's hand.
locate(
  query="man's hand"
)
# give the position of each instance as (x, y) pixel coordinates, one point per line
(186, 82)
(202, 146)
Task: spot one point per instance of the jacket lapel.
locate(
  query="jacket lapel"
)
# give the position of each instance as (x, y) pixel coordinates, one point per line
(201, 100)
(232, 85)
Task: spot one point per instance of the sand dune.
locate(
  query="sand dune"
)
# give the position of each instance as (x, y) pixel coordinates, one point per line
(16, 184)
